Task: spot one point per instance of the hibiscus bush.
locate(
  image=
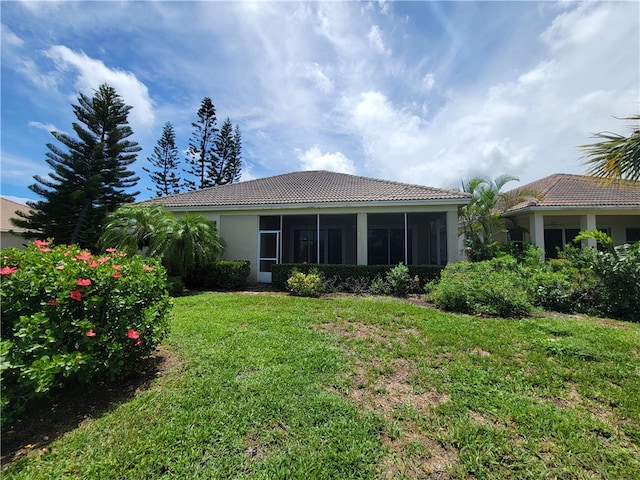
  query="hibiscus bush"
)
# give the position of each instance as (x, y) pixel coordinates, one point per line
(70, 316)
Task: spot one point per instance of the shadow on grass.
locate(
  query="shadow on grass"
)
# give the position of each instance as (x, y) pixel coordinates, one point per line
(47, 419)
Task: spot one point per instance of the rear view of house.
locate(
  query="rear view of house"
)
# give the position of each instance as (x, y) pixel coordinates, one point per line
(326, 217)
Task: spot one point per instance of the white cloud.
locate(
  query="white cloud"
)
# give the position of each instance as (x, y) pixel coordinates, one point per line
(47, 127)
(92, 73)
(315, 74)
(376, 42)
(10, 38)
(19, 170)
(314, 159)
(428, 81)
(391, 138)
(576, 27)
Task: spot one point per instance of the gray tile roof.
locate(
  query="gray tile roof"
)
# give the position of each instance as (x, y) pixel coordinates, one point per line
(308, 187)
(564, 190)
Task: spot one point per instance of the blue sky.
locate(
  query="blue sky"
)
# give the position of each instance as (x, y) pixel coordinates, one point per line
(431, 93)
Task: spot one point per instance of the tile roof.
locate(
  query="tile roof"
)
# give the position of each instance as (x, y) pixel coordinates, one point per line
(564, 190)
(308, 187)
(8, 211)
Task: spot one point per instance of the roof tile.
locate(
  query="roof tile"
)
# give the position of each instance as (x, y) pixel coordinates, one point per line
(564, 190)
(307, 187)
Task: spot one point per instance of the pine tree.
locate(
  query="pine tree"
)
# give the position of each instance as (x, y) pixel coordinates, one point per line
(227, 146)
(201, 147)
(165, 160)
(90, 177)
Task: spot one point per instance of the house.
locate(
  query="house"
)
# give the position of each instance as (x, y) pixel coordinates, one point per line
(327, 217)
(570, 203)
(10, 234)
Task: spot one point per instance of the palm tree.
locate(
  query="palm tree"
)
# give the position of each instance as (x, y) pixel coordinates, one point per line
(133, 228)
(181, 243)
(188, 242)
(481, 218)
(615, 157)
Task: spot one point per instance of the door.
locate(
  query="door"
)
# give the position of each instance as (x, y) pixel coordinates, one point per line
(269, 249)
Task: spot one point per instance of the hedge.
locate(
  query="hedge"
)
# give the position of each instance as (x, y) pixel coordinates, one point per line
(345, 276)
(220, 275)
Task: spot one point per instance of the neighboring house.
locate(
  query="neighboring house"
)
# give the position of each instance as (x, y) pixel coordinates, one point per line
(570, 203)
(326, 217)
(9, 234)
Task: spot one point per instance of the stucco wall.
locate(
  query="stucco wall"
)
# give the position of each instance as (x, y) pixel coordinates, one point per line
(240, 235)
(10, 240)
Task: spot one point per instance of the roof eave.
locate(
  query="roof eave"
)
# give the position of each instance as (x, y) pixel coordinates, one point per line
(317, 205)
(556, 208)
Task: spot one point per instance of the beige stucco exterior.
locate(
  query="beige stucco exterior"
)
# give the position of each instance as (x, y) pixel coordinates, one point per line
(10, 234)
(616, 222)
(239, 227)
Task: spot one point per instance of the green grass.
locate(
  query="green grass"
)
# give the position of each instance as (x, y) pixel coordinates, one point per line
(273, 386)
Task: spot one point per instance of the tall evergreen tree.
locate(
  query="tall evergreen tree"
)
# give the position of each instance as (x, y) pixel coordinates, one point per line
(201, 154)
(165, 159)
(228, 147)
(90, 177)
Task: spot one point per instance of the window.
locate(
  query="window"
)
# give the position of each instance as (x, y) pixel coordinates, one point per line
(410, 238)
(306, 247)
(270, 222)
(555, 240)
(319, 239)
(632, 235)
(385, 246)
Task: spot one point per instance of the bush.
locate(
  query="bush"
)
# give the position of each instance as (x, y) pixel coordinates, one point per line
(492, 287)
(399, 280)
(306, 284)
(220, 275)
(175, 286)
(69, 316)
(353, 278)
(615, 286)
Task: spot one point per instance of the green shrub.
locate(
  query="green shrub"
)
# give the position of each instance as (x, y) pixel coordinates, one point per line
(175, 286)
(352, 278)
(379, 286)
(70, 316)
(220, 275)
(399, 280)
(306, 284)
(493, 287)
(616, 292)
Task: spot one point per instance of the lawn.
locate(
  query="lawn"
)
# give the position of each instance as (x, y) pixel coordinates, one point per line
(268, 386)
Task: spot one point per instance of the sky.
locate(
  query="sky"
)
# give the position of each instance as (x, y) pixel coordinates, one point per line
(429, 93)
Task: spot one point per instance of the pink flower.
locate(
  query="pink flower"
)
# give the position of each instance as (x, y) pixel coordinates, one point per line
(103, 259)
(117, 275)
(147, 268)
(92, 264)
(53, 303)
(132, 334)
(138, 343)
(91, 333)
(110, 250)
(8, 270)
(84, 256)
(42, 245)
(76, 294)
(118, 267)
(60, 267)
(83, 282)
